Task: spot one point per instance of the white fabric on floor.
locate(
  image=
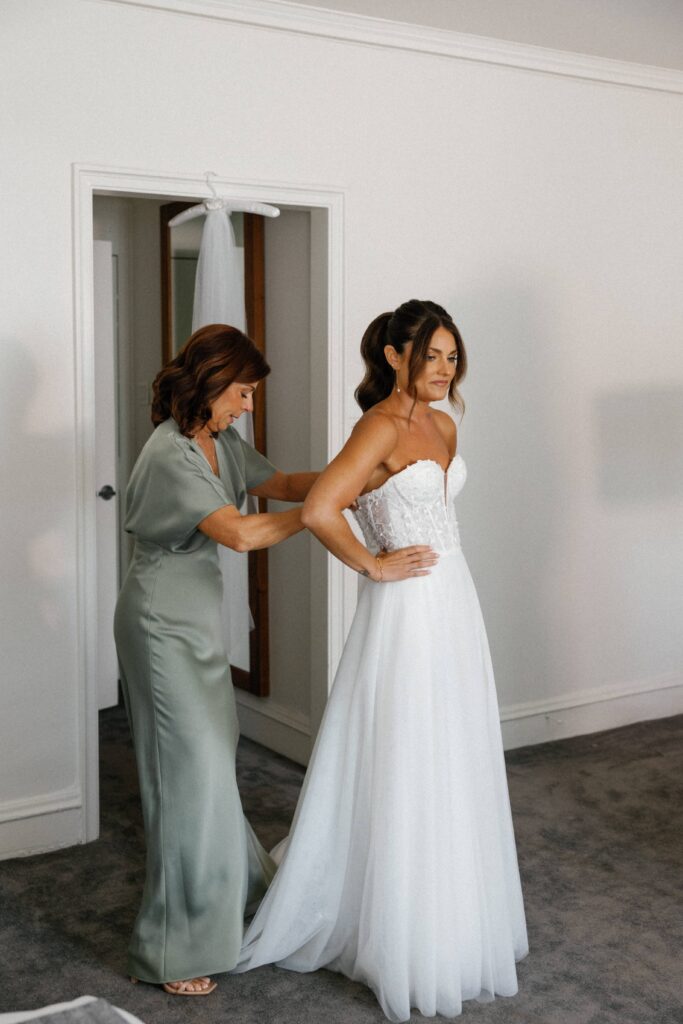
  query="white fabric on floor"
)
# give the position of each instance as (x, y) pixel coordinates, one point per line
(20, 1017)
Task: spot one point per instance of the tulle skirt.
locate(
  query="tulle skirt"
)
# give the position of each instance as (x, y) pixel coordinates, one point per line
(400, 870)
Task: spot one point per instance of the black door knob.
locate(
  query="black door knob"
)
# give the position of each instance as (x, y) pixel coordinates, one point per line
(107, 492)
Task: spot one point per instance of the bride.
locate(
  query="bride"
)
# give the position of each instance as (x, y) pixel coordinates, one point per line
(400, 870)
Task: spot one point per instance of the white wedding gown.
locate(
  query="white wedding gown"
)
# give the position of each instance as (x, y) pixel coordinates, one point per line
(400, 870)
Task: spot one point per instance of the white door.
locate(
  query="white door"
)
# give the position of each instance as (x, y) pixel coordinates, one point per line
(107, 484)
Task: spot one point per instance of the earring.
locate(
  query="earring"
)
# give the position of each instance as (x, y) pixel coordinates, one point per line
(398, 390)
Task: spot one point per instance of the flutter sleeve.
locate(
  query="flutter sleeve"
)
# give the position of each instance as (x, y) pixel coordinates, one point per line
(246, 467)
(171, 490)
(257, 468)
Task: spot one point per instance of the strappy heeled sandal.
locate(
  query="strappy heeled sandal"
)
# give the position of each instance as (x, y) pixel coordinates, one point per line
(177, 988)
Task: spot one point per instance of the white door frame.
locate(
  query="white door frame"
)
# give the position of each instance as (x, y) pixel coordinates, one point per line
(87, 180)
(105, 445)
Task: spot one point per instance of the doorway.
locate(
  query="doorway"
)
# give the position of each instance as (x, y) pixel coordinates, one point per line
(298, 293)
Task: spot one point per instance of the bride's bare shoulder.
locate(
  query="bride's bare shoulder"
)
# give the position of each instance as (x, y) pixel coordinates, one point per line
(377, 425)
(447, 428)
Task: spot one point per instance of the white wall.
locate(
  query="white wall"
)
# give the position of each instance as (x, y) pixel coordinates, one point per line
(544, 211)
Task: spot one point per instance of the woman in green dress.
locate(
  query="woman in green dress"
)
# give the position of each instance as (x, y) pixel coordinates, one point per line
(204, 863)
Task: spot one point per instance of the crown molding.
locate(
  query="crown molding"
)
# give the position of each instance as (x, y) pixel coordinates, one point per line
(362, 29)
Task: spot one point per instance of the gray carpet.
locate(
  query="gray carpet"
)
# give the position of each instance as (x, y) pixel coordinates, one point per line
(599, 823)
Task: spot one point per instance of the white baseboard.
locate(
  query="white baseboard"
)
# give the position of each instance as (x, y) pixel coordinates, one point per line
(43, 803)
(50, 822)
(42, 833)
(276, 727)
(591, 711)
(522, 725)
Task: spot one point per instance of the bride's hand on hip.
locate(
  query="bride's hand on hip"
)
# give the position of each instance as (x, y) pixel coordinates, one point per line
(404, 563)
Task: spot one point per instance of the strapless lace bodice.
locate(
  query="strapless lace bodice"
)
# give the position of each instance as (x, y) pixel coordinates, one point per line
(415, 506)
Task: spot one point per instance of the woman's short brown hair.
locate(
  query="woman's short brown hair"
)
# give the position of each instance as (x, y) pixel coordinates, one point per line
(210, 361)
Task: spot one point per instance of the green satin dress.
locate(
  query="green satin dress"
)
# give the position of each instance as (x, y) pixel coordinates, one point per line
(204, 863)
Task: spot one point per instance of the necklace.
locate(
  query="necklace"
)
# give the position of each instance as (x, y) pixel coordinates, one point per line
(207, 446)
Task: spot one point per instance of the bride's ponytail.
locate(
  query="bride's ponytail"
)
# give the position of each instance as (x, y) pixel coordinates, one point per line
(414, 323)
(378, 381)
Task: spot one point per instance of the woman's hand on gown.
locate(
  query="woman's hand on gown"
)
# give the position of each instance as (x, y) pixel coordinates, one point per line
(337, 488)
(405, 563)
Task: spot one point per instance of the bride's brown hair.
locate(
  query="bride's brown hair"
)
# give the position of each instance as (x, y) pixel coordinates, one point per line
(213, 358)
(415, 321)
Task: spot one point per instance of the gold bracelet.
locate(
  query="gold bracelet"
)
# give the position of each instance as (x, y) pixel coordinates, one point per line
(381, 570)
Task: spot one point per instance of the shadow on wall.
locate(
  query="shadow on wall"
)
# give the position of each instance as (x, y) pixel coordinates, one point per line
(41, 553)
(639, 443)
(509, 511)
(638, 478)
(37, 516)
